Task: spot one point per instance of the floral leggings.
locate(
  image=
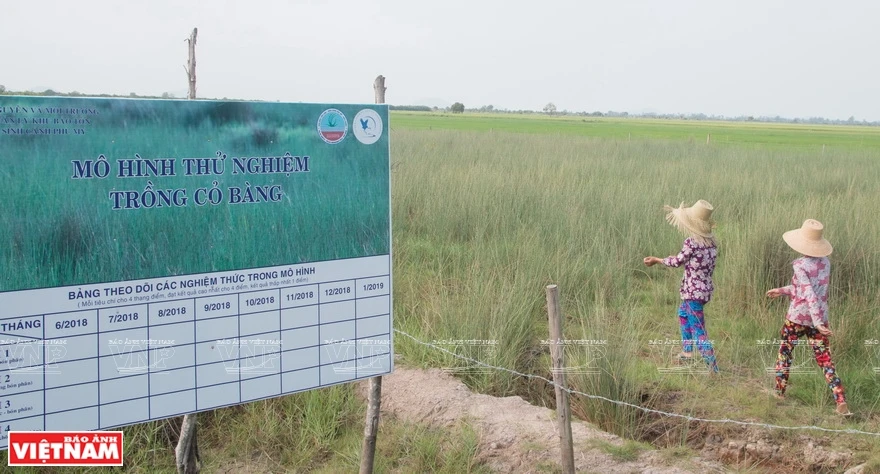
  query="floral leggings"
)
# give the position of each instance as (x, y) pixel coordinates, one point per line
(790, 333)
(693, 328)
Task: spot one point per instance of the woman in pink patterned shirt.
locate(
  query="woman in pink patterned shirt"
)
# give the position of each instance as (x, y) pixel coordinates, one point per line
(698, 255)
(808, 311)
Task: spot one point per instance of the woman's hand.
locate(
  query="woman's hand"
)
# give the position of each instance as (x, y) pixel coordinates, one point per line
(774, 293)
(824, 330)
(651, 261)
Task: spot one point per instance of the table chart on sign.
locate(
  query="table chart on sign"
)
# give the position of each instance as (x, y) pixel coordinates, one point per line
(122, 364)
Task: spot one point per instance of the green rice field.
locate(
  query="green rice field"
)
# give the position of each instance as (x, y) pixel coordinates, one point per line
(722, 133)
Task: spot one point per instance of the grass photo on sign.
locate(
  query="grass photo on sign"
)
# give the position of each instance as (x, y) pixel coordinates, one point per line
(62, 224)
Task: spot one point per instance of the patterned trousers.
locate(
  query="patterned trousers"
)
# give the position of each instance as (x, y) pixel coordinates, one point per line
(693, 330)
(790, 334)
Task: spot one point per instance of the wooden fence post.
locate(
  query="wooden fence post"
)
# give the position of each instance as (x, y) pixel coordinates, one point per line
(187, 451)
(563, 409)
(191, 64)
(379, 89)
(374, 399)
(371, 429)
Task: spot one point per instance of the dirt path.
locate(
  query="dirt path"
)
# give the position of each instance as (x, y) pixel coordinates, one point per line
(514, 435)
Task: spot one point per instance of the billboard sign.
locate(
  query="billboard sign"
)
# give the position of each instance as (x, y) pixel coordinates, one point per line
(163, 257)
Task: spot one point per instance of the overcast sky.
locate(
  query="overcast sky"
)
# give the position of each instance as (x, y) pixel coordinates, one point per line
(794, 58)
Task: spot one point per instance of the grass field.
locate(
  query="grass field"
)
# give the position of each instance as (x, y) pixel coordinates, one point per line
(758, 134)
(318, 431)
(483, 221)
(489, 210)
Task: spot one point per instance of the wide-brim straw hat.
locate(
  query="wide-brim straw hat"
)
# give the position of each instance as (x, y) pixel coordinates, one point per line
(695, 220)
(808, 240)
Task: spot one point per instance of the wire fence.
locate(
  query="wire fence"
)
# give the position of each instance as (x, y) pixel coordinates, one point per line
(637, 407)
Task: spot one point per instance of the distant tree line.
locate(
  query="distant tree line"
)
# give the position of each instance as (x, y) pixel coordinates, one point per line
(50, 92)
(412, 108)
(549, 109)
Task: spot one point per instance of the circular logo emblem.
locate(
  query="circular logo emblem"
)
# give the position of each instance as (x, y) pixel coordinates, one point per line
(367, 126)
(332, 126)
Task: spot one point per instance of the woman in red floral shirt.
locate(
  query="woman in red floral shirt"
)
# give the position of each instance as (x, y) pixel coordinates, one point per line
(698, 255)
(808, 311)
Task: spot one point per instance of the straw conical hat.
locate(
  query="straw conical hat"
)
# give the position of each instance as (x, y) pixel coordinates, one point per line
(808, 239)
(695, 220)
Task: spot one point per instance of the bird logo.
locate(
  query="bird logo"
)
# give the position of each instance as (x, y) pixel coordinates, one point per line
(368, 126)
